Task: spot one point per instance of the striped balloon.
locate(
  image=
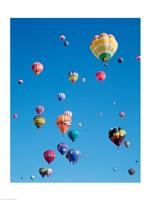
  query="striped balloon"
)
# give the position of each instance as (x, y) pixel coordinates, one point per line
(104, 46)
(39, 109)
(69, 113)
(61, 96)
(39, 121)
(73, 76)
(37, 68)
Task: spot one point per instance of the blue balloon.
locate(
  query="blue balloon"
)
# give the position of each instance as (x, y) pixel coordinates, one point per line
(73, 155)
(62, 148)
(61, 96)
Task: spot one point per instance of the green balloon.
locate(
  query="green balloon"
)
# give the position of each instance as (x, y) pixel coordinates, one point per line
(73, 135)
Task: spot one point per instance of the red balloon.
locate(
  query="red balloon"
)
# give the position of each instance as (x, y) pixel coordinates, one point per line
(100, 76)
(49, 155)
(122, 114)
(15, 115)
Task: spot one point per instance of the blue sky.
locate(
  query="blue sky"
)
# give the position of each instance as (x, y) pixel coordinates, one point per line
(38, 40)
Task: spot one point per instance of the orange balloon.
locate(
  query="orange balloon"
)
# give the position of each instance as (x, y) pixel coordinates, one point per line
(63, 122)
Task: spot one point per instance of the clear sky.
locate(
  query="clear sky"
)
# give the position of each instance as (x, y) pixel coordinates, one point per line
(38, 40)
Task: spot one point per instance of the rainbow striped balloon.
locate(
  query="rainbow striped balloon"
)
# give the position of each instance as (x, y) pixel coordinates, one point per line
(37, 68)
(104, 46)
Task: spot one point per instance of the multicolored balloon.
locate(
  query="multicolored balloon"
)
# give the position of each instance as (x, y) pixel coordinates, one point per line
(61, 96)
(100, 76)
(62, 148)
(62, 37)
(63, 122)
(37, 68)
(104, 46)
(43, 171)
(127, 143)
(20, 82)
(122, 114)
(131, 171)
(69, 113)
(73, 76)
(39, 121)
(39, 109)
(15, 116)
(73, 135)
(117, 135)
(49, 156)
(73, 155)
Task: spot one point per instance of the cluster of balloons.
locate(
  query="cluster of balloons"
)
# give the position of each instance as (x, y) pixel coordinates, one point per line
(44, 171)
(66, 43)
(39, 120)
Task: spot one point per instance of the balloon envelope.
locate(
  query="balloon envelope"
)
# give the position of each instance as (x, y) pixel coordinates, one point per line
(73, 155)
(61, 96)
(131, 171)
(127, 143)
(62, 148)
(32, 177)
(39, 121)
(122, 114)
(73, 76)
(73, 135)
(117, 135)
(100, 76)
(49, 172)
(49, 155)
(69, 113)
(83, 80)
(15, 115)
(66, 43)
(62, 37)
(20, 82)
(120, 60)
(37, 68)
(43, 171)
(39, 109)
(63, 122)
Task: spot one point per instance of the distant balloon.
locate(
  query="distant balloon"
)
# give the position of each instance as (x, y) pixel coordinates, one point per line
(131, 171)
(105, 64)
(73, 155)
(138, 58)
(136, 161)
(43, 171)
(127, 143)
(20, 82)
(62, 148)
(83, 80)
(32, 177)
(39, 109)
(15, 115)
(73, 76)
(39, 121)
(114, 169)
(73, 135)
(101, 113)
(49, 156)
(37, 68)
(63, 122)
(122, 114)
(61, 96)
(66, 43)
(49, 172)
(100, 76)
(117, 135)
(62, 37)
(120, 60)
(114, 103)
(69, 113)
(79, 124)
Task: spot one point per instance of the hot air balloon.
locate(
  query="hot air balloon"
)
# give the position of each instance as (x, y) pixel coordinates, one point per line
(43, 171)
(39, 121)
(73, 76)
(20, 82)
(127, 143)
(15, 116)
(32, 177)
(66, 43)
(105, 64)
(69, 113)
(83, 80)
(49, 172)
(131, 171)
(114, 169)
(73, 135)
(79, 124)
(73, 155)
(101, 113)
(63, 122)
(49, 156)
(37, 68)
(39, 109)
(62, 37)
(62, 148)
(61, 96)
(104, 46)
(138, 58)
(122, 114)
(120, 60)
(100, 76)
(117, 135)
